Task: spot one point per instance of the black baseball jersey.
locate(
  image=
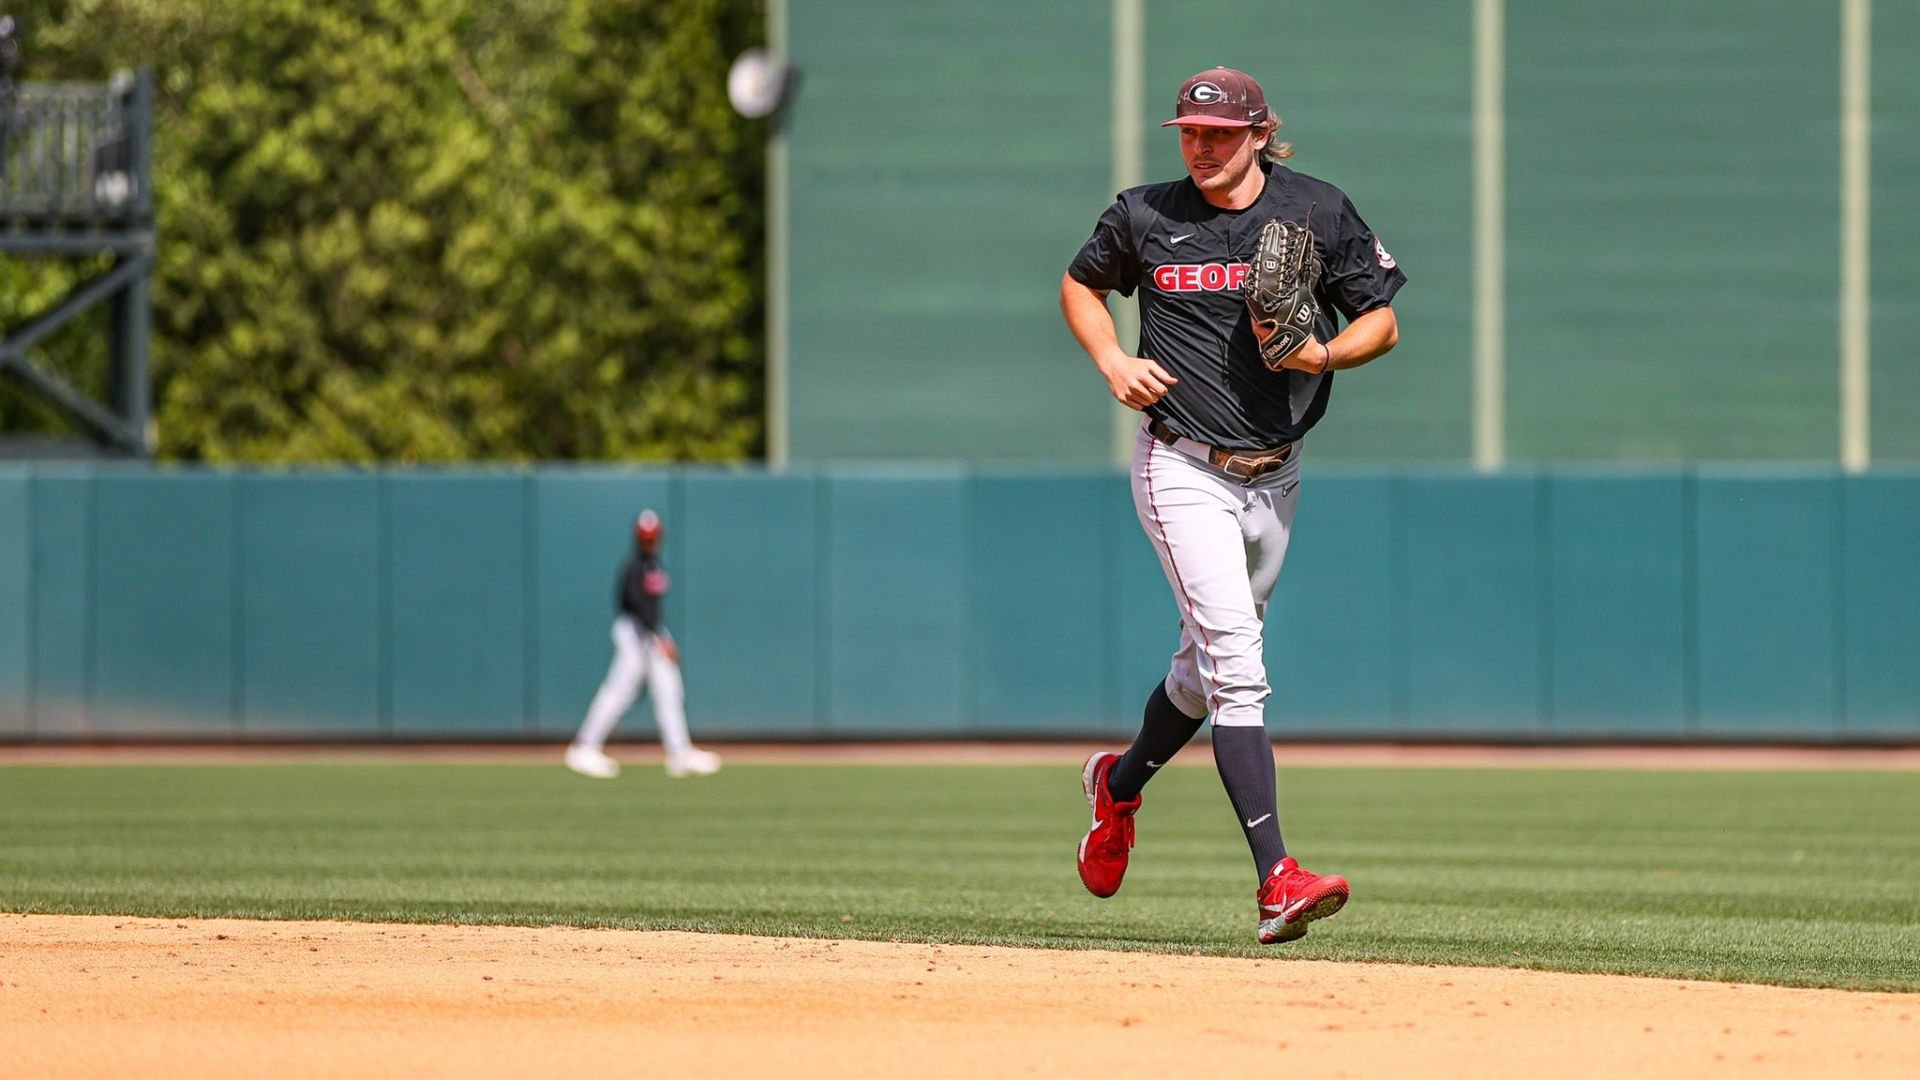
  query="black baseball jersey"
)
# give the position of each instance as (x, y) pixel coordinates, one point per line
(642, 586)
(1189, 260)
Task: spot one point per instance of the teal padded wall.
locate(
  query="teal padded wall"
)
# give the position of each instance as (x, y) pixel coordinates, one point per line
(753, 598)
(1661, 158)
(862, 602)
(946, 161)
(1895, 231)
(1384, 118)
(898, 618)
(1767, 551)
(1474, 596)
(1617, 553)
(313, 648)
(59, 656)
(1037, 586)
(16, 612)
(582, 534)
(1880, 561)
(165, 583)
(1335, 625)
(457, 603)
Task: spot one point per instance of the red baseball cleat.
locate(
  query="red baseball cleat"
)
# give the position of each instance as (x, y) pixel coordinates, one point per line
(1103, 851)
(1292, 897)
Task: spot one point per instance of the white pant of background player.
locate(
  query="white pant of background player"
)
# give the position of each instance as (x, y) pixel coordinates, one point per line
(638, 661)
(1221, 541)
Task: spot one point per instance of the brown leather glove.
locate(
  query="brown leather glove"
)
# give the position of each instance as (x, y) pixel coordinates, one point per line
(1279, 290)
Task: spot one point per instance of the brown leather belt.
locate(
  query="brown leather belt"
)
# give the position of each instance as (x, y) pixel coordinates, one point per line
(1246, 464)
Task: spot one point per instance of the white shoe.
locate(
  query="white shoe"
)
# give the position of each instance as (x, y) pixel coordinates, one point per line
(693, 763)
(590, 762)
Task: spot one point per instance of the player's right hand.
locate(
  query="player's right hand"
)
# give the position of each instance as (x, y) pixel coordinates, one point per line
(1137, 382)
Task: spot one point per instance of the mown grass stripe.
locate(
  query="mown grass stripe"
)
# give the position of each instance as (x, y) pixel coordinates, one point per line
(1796, 878)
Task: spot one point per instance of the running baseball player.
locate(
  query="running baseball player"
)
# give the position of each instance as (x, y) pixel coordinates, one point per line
(644, 654)
(1241, 268)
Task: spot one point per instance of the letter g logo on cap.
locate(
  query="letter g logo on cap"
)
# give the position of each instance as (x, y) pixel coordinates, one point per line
(1205, 94)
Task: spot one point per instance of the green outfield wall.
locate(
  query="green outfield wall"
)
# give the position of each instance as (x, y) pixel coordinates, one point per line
(1668, 191)
(939, 601)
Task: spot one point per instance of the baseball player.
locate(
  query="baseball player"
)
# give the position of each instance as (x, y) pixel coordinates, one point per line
(1227, 397)
(643, 654)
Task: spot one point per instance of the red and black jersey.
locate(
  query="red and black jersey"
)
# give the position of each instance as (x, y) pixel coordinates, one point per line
(643, 584)
(1188, 258)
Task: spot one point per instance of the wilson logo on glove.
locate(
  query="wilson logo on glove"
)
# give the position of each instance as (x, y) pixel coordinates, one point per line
(1200, 277)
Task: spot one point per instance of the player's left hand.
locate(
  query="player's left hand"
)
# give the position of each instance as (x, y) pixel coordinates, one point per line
(669, 650)
(1313, 357)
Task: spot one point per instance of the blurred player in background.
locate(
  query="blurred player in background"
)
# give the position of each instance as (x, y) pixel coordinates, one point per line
(643, 655)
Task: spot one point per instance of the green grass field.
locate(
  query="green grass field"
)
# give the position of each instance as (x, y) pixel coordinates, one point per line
(1800, 878)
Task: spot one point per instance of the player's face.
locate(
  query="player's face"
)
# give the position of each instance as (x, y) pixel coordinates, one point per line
(1218, 158)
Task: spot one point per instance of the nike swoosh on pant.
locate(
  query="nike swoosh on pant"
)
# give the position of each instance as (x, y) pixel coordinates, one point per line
(1258, 820)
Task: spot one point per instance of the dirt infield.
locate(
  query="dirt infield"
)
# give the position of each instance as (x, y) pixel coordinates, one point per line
(84, 996)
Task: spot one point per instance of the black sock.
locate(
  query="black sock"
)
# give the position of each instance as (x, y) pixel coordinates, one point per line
(1244, 756)
(1164, 729)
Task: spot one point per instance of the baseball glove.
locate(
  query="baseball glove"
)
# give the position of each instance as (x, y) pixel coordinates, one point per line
(1279, 290)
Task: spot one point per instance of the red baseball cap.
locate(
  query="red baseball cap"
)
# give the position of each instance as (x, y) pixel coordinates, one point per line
(646, 527)
(1219, 97)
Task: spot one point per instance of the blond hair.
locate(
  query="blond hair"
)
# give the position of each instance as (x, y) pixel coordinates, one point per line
(1274, 150)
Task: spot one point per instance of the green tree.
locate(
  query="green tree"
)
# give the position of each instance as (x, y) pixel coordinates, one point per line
(442, 230)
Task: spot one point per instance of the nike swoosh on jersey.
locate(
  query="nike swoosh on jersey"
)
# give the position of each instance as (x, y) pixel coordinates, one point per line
(1177, 239)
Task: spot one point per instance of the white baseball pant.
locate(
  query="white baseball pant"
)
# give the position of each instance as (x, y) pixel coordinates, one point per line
(638, 661)
(1221, 541)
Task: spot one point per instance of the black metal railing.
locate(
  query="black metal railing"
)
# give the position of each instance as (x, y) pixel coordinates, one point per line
(76, 179)
(77, 155)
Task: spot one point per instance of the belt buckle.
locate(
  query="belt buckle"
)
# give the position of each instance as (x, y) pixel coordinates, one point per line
(1252, 467)
(1233, 464)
